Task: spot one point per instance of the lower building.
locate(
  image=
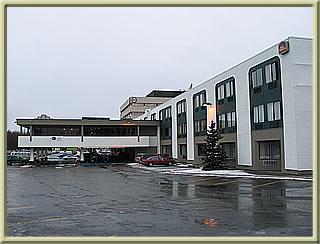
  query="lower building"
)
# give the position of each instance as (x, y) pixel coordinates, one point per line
(128, 138)
(262, 107)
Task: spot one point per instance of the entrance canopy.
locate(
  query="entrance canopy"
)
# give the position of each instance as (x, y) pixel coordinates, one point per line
(88, 132)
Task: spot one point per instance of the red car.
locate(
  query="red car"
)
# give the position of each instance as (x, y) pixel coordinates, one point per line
(158, 160)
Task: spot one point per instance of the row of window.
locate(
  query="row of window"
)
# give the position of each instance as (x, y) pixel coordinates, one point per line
(200, 125)
(88, 131)
(166, 131)
(228, 147)
(199, 99)
(268, 150)
(271, 73)
(227, 120)
(145, 104)
(182, 129)
(117, 131)
(225, 90)
(273, 112)
(165, 113)
(182, 107)
(57, 131)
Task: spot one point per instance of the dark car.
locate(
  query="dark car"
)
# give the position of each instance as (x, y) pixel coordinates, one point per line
(16, 159)
(157, 160)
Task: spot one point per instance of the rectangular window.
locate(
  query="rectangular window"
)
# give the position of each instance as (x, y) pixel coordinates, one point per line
(229, 149)
(161, 115)
(256, 77)
(268, 73)
(183, 149)
(196, 102)
(203, 125)
(153, 116)
(202, 98)
(259, 77)
(233, 119)
(201, 149)
(255, 115)
(269, 150)
(270, 111)
(223, 121)
(231, 88)
(220, 92)
(277, 111)
(228, 119)
(179, 108)
(228, 90)
(261, 113)
(274, 71)
(183, 107)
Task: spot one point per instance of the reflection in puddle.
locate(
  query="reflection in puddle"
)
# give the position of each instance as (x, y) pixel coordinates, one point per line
(210, 222)
(188, 191)
(191, 190)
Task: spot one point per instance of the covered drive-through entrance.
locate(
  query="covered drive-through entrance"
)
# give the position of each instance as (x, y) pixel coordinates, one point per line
(97, 139)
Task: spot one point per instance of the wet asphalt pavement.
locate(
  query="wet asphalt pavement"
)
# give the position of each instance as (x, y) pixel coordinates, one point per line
(140, 201)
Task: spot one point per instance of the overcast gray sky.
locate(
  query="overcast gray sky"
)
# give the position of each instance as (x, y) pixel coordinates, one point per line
(73, 62)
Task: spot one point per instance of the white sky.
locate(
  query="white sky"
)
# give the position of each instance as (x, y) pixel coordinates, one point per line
(73, 62)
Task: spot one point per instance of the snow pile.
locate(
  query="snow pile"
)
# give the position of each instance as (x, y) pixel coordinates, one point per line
(219, 173)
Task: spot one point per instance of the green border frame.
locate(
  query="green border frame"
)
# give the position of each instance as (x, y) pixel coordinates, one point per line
(154, 3)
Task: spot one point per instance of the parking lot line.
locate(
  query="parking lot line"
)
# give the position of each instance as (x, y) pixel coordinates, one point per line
(223, 183)
(21, 207)
(37, 221)
(191, 181)
(270, 183)
(308, 187)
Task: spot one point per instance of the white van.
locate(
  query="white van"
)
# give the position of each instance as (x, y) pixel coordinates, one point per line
(21, 154)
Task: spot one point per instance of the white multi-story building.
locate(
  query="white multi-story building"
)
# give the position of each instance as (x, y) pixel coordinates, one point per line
(262, 106)
(133, 107)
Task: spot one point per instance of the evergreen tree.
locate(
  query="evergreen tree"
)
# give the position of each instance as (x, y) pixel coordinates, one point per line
(215, 155)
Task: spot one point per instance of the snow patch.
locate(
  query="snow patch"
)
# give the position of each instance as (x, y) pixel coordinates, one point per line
(178, 170)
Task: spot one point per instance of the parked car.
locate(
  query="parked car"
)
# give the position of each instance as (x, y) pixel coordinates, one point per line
(25, 155)
(140, 156)
(157, 160)
(16, 159)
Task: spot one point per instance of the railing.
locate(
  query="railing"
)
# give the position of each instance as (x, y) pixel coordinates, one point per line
(269, 162)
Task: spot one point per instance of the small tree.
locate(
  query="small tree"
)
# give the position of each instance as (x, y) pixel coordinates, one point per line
(215, 155)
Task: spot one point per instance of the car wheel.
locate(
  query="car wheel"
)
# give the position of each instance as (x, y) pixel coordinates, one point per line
(150, 164)
(170, 163)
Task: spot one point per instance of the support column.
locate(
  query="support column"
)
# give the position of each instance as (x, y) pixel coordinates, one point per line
(45, 154)
(158, 139)
(30, 132)
(81, 155)
(31, 155)
(38, 155)
(41, 154)
(81, 133)
(138, 133)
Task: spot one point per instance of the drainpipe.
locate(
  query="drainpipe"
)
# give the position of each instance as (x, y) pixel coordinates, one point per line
(138, 133)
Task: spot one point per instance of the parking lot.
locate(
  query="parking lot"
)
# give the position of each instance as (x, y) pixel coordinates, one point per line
(136, 200)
